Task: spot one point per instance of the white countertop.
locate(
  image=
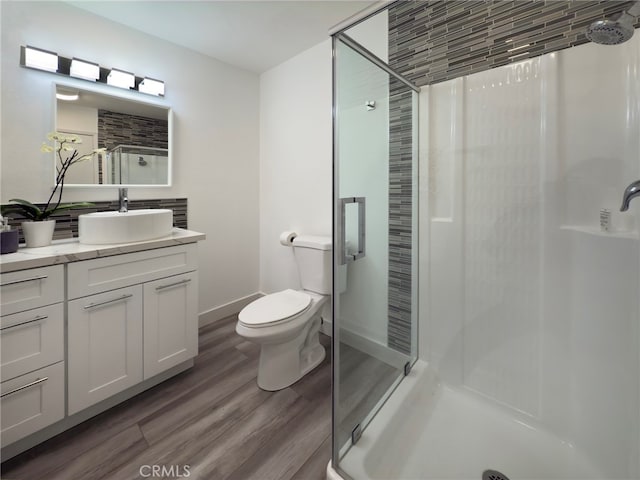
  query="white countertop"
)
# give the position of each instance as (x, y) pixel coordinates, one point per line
(70, 250)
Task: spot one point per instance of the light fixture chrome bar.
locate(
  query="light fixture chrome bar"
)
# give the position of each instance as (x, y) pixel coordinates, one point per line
(351, 43)
(39, 59)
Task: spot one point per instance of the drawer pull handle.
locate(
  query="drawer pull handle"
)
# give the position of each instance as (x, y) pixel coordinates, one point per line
(32, 279)
(181, 282)
(119, 299)
(24, 387)
(39, 318)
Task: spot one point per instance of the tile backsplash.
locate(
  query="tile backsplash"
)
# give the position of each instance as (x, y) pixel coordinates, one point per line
(67, 220)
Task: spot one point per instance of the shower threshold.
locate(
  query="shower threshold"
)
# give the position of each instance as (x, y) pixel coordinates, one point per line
(450, 433)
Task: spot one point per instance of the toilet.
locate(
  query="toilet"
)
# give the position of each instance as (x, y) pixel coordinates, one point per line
(286, 324)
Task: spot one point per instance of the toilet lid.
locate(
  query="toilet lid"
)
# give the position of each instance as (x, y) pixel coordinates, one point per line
(274, 308)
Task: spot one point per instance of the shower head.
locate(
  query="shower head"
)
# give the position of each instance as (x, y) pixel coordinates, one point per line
(609, 32)
(616, 30)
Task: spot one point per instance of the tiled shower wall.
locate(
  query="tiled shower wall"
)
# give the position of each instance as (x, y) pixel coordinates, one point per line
(433, 41)
(67, 220)
(116, 128)
(401, 211)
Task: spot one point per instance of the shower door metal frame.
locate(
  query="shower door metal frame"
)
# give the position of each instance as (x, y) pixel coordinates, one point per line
(338, 214)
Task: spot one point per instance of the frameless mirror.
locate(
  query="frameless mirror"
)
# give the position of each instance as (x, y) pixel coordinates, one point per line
(136, 135)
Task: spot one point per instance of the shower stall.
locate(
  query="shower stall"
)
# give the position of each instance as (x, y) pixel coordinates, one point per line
(136, 165)
(490, 325)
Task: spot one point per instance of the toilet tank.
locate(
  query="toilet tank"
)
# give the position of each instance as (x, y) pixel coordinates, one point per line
(314, 257)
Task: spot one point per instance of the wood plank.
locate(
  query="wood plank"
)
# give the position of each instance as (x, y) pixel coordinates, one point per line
(315, 468)
(191, 445)
(178, 413)
(105, 458)
(290, 447)
(256, 430)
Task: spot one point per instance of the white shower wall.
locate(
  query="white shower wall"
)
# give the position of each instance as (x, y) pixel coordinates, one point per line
(523, 299)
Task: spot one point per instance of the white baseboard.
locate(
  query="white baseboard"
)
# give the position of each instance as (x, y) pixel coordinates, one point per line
(326, 327)
(223, 311)
(377, 350)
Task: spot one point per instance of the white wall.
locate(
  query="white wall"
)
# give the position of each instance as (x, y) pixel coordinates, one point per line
(216, 132)
(528, 302)
(373, 34)
(295, 159)
(81, 121)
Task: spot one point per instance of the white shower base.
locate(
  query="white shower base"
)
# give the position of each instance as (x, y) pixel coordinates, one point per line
(429, 431)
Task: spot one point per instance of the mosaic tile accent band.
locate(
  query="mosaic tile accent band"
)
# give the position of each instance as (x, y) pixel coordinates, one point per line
(67, 220)
(400, 216)
(433, 41)
(116, 128)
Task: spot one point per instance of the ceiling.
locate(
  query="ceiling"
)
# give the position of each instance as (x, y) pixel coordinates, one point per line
(253, 35)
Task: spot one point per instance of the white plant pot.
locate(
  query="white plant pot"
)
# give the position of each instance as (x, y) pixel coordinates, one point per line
(38, 234)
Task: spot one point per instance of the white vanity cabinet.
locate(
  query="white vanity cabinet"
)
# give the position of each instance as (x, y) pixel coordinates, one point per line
(130, 317)
(170, 322)
(105, 345)
(32, 351)
(84, 328)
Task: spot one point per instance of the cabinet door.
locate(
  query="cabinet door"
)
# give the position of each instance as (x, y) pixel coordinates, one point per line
(31, 402)
(170, 322)
(31, 340)
(33, 288)
(104, 345)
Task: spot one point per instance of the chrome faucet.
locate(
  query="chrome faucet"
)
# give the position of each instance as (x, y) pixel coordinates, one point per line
(123, 199)
(630, 192)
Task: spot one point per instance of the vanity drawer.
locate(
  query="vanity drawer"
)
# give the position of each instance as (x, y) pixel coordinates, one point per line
(31, 402)
(108, 273)
(31, 288)
(31, 340)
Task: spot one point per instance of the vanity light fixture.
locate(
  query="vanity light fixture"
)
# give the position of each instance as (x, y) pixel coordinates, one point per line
(40, 59)
(85, 70)
(152, 87)
(120, 78)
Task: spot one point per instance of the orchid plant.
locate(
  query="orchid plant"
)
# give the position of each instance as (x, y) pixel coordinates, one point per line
(67, 155)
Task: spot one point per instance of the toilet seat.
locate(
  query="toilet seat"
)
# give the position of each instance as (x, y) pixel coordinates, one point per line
(274, 309)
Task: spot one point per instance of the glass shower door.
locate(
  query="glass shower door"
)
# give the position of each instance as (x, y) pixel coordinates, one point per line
(375, 228)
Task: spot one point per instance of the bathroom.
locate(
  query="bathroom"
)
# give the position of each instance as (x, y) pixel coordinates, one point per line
(241, 154)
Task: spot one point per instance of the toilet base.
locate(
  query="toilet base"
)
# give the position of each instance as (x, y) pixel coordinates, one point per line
(282, 365)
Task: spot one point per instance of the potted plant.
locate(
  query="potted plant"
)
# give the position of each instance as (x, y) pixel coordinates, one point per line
(38, 229)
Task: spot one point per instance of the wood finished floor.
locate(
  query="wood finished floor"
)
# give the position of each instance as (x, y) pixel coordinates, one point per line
(212, 417)
(216, 420)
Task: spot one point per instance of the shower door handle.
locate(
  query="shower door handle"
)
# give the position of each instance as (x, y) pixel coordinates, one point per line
(350, 257)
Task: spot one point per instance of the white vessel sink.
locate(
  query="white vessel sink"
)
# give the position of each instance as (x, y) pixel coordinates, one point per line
(102, 228)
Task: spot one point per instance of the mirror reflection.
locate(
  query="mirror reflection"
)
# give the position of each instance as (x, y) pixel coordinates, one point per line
(135, 134)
